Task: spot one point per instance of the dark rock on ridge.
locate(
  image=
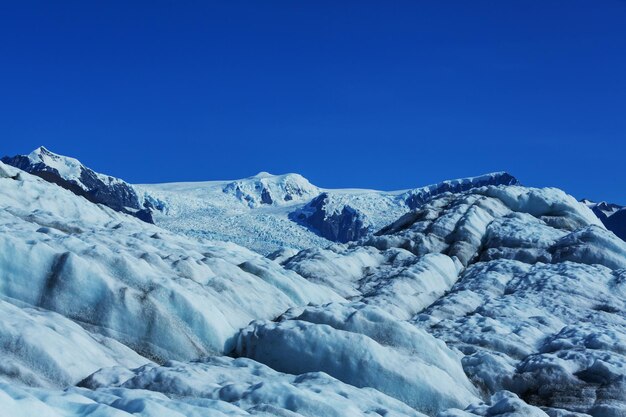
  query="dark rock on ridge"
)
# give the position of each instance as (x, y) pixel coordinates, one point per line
(97, 188)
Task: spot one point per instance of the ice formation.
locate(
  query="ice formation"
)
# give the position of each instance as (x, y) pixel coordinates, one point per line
(494, 300)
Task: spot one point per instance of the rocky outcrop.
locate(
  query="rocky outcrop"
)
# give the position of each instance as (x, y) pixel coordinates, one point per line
(339, 224)
(613, 216)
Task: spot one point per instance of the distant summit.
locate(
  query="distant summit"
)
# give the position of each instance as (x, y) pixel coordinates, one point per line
(267, 189)
(72, 175)
(613, 216)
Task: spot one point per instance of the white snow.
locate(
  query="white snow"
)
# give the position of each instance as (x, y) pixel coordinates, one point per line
(277, 190)
(502, 404)
(395, 280)
(552, 333)
(351, 343)
(69, 168)
(234, 210)
(603, 207)
(204, 210)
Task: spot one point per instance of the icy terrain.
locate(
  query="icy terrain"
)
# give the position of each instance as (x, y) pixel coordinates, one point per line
(222, 210)
(165, 296)
(526, 283)
(480, 301)
(264, 213)
(267, 212)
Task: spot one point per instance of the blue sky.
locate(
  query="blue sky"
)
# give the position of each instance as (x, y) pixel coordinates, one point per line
(386, 95)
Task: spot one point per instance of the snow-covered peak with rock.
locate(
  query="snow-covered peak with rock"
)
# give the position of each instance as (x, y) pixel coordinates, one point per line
(68, 168)
(72, 175)
(602, 208)
(613, 216)
(269, 212)
(485, 299)
(268, 189)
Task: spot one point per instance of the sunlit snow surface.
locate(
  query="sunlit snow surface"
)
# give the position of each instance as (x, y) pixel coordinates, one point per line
(499, 301)
(67, 167)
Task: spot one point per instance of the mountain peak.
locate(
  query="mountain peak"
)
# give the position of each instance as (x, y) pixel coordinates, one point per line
(68, 168)
(263, 174)
(267, 189)
(41, 149)
(72, 175)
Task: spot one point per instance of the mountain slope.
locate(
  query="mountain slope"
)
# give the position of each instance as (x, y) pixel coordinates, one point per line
(612, 215)
(100, 277)
(70, 174)
(264, 213)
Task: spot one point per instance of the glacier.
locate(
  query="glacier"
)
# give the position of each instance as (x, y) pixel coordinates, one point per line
(264, 212)
(480, 298)
(164, 295)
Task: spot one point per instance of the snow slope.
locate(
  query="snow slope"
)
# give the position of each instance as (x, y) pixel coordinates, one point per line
(87, 290)
(42, 348)
(214, 387)
(258, 212)
(364, 347)
(205, 210)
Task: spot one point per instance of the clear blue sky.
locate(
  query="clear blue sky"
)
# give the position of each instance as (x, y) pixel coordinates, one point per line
(385, 94)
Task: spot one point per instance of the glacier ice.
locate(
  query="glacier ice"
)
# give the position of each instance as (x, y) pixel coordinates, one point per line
(211, 387)
(502, 404)
(365, 347)
(267, 212)
(42, 348)
(481, 301)
(165, 296)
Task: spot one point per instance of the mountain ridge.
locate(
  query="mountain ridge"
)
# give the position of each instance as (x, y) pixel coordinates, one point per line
(72, 175)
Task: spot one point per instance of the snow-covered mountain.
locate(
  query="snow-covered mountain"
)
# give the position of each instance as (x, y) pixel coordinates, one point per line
(348, 215)
(484, 300)
(268, 212)
(264, 213)
(71, 174)
(612, 215)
